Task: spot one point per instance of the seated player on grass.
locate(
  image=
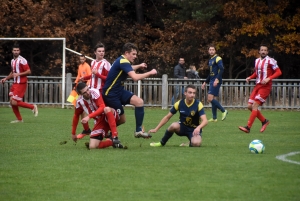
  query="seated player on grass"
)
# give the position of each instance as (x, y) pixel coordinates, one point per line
(191, 112)
(91, 102)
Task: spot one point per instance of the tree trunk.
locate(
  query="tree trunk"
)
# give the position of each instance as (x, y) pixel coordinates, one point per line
(139, 12)
(99, 13)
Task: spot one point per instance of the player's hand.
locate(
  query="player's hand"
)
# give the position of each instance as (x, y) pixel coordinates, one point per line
(143, 65)
(247, 79)
(196, 131)
(15, 75)
(265, 81)
(94, 71)
(152, 131)
(3, 80)
(85, 119)
(74, 138)
(153, 72)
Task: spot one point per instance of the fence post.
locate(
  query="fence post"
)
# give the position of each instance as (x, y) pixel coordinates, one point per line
(68, 84)
(164, 95)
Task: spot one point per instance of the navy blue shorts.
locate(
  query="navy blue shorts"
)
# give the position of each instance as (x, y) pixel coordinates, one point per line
(186, 131)
(118, 101)
(214, 90)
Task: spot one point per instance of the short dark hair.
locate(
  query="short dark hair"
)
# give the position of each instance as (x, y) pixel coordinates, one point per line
(98, 45)
(80, 86)
(82, 55)
(16, 45)
(128, 47)
(211, 45)
(190, 86)
(263, 45)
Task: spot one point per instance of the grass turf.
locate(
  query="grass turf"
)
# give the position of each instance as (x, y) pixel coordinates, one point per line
(34, 166)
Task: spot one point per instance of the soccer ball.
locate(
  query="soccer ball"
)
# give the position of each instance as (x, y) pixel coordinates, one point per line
(256, 147)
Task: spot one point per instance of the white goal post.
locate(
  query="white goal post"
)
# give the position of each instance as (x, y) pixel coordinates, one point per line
(63, 61)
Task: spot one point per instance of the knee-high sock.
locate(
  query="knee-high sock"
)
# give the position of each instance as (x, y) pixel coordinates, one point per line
(218, 105)
(252, 117)
(166, 137)
(105, 143)
(25, 105)
(214, 110)
(260, 116)
(112, 124)
(86, 126)
(16, 111)
(139, 118)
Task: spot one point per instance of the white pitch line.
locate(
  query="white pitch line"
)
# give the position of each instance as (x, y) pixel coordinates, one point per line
(284, 157)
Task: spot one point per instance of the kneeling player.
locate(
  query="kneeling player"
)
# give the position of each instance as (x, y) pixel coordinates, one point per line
(191, 111)
(105, 118)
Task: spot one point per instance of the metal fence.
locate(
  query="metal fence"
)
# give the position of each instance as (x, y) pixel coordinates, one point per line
(158, 92)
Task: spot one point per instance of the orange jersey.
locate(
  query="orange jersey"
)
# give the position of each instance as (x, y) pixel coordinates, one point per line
(83, 70)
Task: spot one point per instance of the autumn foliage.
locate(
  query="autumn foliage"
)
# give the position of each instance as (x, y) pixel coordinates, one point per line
(167, 30)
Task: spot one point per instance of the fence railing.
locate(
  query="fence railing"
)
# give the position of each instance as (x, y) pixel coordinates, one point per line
(234, 93)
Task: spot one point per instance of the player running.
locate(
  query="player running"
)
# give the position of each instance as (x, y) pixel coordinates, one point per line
(114, 94)
(105, 118)
(266, 69)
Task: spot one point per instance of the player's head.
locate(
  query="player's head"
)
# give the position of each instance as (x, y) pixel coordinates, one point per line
(16, 50)
(82, 58)
(83, 90)
(263, 50)
(212, 50)
(129, 51)
(190, 92)
(99, 51)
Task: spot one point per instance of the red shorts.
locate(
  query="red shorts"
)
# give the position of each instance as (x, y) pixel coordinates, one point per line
(101, 126)
(17, 91)
(260, 93)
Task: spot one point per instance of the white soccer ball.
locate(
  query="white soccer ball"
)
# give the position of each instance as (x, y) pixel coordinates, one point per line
(256, 147)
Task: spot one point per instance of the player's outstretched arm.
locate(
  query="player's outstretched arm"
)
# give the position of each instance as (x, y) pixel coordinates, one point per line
(137, 77)
(142, 65)
(162, 122)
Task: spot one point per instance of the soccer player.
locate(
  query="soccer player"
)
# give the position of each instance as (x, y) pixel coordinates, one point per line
(100, 68)
(19, 71)
(266, 69)
(114, 94)
(91, 102)
(215, 81)
(84, 69)
(191, 113)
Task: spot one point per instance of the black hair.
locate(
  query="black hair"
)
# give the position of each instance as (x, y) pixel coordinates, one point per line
(128, 47)
(80, 86)
(82, 55)
(16, 45)
(190, 86)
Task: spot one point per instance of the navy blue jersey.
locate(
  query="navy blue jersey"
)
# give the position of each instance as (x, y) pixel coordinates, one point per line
(118, 73)
(189, 114)
(215, 69)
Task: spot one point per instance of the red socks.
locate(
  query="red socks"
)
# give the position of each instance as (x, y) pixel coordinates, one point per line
(105, 143)
(112, 124)
(25, 105)
(252, 118)
(16, 111)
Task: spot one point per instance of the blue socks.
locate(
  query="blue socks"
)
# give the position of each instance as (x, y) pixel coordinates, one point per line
(216, 105)
(139, 118)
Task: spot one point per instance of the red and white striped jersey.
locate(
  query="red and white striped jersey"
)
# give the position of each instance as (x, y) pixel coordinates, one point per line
(92, 105)
(103, 67)
(264, 68)
(19, 65)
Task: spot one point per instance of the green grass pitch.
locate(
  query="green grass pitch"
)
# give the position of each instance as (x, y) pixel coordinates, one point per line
(34, 166)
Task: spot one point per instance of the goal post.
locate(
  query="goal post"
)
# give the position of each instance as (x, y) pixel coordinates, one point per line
(63, 91)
